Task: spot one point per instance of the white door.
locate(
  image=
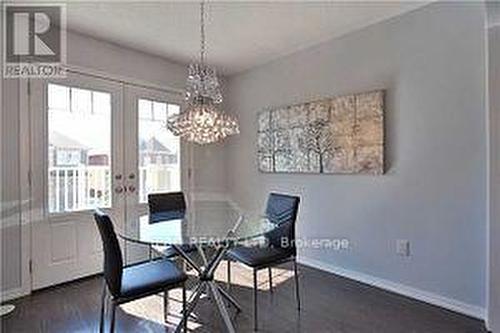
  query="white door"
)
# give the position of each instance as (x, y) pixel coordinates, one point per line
(154, 158)
(88, 151)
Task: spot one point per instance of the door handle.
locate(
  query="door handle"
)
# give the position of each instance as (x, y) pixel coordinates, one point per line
(131, 188)
(119, 189)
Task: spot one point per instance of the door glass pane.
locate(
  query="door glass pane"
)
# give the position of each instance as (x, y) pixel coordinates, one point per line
(79, 161)
(58, 97)
(159, 150)
(81, 100)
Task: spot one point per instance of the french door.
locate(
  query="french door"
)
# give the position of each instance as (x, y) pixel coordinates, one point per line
(154, 158)
(95, 143)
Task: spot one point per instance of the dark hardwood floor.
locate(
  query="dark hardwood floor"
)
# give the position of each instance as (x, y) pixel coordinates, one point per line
(330, 304)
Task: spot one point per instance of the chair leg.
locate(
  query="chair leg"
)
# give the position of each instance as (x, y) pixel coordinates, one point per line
(255, 291)
(184, 306)
(103, 302)
(229, 275)
(270, 279)
(113, 312)
(165, 306)
(297, 294)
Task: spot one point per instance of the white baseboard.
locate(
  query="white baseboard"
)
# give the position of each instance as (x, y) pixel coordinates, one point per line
(398, 288)
(11, 294)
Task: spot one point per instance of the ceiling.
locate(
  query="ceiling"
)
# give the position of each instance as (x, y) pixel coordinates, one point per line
(240, 35)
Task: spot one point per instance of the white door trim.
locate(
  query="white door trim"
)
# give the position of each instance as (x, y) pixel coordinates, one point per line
(24, 195)
(25, 162)
(25, 183)
(124, 80)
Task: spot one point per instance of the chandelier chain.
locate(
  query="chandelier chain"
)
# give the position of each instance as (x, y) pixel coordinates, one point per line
(202, 32)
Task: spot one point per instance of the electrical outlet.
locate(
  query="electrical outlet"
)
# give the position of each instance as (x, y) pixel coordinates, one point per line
(403, 247)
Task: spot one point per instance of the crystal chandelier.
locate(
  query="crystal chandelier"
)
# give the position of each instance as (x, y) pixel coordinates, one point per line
(201, 121)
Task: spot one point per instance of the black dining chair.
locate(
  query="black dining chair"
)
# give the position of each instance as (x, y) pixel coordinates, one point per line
(124, 284)
(168, 206)
(280, 244)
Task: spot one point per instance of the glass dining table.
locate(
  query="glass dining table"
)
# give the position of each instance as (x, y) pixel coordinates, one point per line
(205, 231)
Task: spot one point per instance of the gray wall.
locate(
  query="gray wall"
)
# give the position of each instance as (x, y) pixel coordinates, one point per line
(432, 63)
(96, 55)
(494, 229)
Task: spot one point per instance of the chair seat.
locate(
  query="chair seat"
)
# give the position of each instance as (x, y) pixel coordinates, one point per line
(259, 256)
(150, 277)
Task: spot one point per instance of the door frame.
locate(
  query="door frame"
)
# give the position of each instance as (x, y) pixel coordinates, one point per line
(26, 194)
(24, 191)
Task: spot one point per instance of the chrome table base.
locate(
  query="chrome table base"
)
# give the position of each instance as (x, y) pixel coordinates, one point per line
(207, 285)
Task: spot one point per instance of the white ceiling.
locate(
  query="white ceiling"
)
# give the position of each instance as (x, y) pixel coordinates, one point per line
(240, 35)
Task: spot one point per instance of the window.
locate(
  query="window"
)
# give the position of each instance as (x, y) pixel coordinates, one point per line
(79, 131)
(159, 149)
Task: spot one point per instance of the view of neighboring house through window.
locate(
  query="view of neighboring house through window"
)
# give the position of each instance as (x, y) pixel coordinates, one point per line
(159, 149)
(79, 161)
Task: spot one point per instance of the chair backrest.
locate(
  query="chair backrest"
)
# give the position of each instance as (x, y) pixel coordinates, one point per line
(113, 262)
(166, 206)
(282, 209)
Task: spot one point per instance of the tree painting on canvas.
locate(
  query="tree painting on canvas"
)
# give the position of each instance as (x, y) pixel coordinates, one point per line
(335, 135)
